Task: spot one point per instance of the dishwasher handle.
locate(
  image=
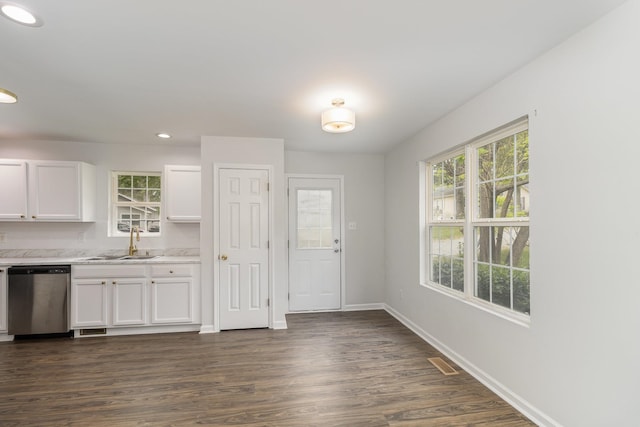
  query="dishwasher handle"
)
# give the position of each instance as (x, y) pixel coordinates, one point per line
(39, 269)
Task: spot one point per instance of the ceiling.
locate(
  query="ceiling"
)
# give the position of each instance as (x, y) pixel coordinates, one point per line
(120, 71)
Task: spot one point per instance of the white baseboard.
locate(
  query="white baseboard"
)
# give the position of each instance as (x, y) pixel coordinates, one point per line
(280, 324)
(362, 307)
(498, 388)
(207, 329)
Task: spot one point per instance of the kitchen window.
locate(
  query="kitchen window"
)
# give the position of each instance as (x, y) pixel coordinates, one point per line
(135, 202)
(476, 217)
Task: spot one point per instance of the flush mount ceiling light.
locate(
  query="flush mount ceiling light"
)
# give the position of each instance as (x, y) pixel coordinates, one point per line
(163, 135)
(7, 97)
(338, 119)
(19, 14)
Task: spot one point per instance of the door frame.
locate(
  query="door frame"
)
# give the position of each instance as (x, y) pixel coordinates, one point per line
(216, 233)
(343, 246)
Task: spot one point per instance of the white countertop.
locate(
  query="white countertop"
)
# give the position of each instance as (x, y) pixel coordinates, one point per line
(84, 260)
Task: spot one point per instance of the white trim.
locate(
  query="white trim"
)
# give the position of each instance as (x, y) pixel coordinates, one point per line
(493, 309)
(364, 307)
(343, 233)
(280, 324)
(216, 242)
(505, 393)
(207, 329)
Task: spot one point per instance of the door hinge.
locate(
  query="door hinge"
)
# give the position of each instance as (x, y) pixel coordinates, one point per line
(288, 297)
(267, 186)
(267, 244)
(287, 192)
(268, 302)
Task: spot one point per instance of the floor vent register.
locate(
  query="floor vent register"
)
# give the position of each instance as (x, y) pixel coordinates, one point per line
(442, 366)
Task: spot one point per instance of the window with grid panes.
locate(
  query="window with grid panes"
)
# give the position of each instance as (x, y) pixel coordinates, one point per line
(135, 202)
(477, 219)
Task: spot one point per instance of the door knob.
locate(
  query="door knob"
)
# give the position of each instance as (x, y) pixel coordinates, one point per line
(222, 257)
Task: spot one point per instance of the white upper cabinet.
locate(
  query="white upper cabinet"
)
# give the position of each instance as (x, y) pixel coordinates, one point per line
(13, 190)
(182, 193)
(37, 190)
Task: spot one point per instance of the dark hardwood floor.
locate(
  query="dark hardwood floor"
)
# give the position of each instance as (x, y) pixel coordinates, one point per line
(328, 369)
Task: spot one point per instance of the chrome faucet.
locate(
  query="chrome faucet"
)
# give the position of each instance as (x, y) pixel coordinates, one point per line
(132, 246)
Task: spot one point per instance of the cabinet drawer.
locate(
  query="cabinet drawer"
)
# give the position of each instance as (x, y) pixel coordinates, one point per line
(172, 270)
(107, 271)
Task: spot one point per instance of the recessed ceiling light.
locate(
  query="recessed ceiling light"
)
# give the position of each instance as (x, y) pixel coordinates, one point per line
(7, 97)
(19, 14)
(163, 135)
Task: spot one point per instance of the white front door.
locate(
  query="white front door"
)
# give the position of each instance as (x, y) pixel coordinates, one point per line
(244, 248)
(314, 244)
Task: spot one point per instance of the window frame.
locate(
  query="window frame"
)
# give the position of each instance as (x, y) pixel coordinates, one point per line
(430, 221)
(471, 221)
(114, 204)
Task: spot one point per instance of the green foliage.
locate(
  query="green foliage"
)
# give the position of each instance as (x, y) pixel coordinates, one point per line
(449, 272)
(498, 280)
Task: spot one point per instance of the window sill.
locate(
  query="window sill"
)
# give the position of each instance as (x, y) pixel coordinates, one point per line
(496, 310)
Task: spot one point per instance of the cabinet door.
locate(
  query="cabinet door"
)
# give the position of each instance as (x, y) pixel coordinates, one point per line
(129, 302)
(172, 300)
(54, 191)
(13, 190)
(88, 303)
(3, 299)
(182, 193)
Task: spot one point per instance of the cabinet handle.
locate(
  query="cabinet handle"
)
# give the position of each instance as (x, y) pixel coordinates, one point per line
(103, 283)
(33, 216)
(23, 216)
(1, 271)
(170, 271)
(114, 282)
(153, 282)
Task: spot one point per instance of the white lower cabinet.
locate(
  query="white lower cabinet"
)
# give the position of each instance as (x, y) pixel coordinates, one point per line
(172, 293)
(114, 296)
(108, 295)
(129, 302)
(88, 303)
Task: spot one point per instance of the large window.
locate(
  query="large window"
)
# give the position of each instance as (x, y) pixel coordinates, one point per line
(135, 202)
(477, 219)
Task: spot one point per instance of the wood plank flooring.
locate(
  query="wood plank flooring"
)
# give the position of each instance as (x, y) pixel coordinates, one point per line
(328, 369)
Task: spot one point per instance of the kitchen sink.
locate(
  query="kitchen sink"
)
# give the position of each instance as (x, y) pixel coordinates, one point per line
(118, 257)
(138, 257)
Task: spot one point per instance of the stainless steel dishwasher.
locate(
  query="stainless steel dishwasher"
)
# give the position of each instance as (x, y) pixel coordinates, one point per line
(38, 299)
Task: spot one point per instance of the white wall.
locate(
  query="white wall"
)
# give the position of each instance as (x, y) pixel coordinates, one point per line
(253, 151)
(93, 237)
(577, 362)
(364, 205)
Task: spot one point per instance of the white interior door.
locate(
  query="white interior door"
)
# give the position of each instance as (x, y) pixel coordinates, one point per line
(244, 248)
(314, 244)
